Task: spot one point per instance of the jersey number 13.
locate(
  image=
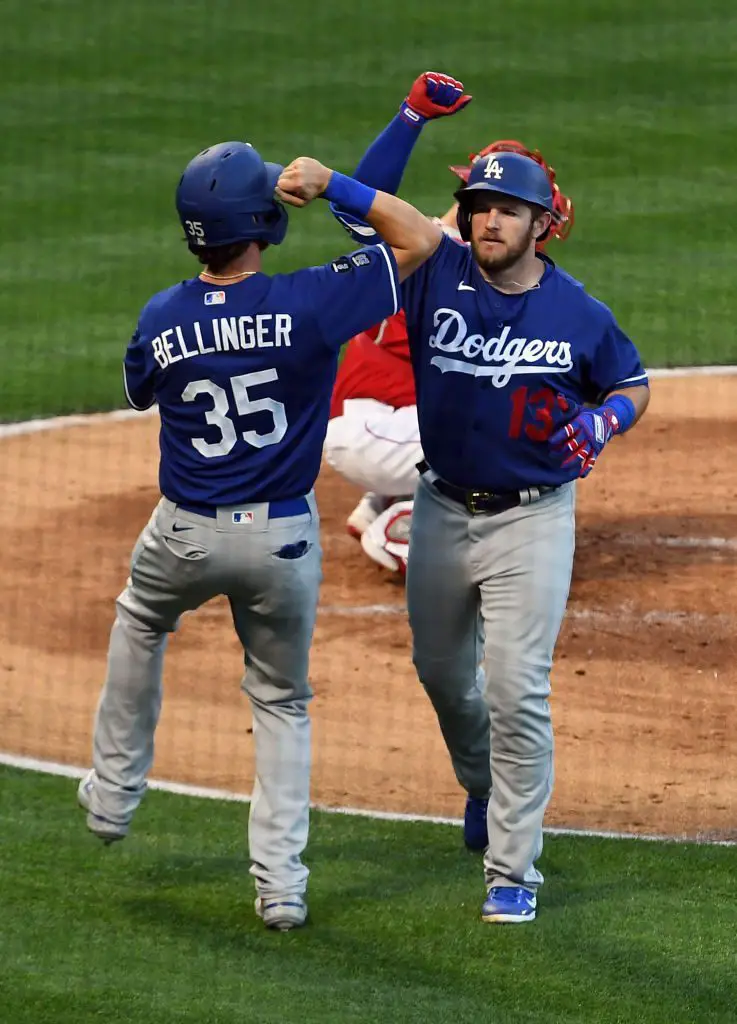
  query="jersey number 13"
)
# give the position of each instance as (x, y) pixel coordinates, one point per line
(219, 415)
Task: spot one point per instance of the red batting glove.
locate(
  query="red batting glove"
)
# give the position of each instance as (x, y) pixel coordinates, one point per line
(433, 95)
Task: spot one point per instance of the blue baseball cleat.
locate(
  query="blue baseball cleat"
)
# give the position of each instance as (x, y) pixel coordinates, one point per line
(509, 904)
(475, 832)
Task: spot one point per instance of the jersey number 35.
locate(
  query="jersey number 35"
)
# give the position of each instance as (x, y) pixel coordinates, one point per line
(219, 415)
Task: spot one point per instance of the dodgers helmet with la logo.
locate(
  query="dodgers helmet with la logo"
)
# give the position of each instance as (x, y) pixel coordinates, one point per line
(510, 174)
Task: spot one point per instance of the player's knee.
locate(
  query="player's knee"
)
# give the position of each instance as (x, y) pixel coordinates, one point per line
(448, 681)
(267, 685)
(521, 723)
(276, 702)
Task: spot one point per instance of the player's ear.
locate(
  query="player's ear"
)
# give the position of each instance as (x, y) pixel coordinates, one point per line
(541, 223)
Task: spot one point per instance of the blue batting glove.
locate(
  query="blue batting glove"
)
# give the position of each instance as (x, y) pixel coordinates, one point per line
(584, 437)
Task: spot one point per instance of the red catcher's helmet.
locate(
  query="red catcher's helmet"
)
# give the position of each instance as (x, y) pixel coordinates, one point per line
(563, 213)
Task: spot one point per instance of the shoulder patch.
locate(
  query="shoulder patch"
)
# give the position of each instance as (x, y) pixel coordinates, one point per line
(360, 259)
(341, 266)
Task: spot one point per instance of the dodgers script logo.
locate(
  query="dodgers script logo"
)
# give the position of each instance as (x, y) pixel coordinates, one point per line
(512, 356)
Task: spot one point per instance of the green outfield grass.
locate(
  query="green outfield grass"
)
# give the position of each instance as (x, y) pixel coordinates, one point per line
(101, 105)
(160, 929)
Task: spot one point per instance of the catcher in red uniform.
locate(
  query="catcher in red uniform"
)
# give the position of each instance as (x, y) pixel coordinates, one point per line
(373, 438)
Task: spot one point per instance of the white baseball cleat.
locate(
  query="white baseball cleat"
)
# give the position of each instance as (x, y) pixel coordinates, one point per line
(365, 513)
(282, 913)
(386, 541)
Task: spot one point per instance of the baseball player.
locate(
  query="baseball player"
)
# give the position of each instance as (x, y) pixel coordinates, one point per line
(522, 380)
(241, 365)
(373, 437)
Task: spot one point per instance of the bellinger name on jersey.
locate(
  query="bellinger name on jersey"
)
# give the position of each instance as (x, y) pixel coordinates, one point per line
(222, 334)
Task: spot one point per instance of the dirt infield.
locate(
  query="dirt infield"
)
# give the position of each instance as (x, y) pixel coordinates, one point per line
(645, 683)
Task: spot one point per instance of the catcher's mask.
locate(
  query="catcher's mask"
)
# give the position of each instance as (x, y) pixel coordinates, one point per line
(562, 207)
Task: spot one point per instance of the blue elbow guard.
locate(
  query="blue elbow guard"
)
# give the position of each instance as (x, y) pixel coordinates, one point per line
(359, 230)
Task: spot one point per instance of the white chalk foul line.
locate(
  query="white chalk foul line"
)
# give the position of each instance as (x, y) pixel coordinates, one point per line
(353, 610)
(78, 420)
(203, 793)
(621, 615)
(660, 617)
(636, 540)
(693, 371)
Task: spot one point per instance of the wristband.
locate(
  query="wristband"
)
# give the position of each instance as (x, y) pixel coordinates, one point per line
(350, 195)
(410, 116)
(623, 411)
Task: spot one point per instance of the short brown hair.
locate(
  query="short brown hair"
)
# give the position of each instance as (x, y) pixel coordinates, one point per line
(217, 257)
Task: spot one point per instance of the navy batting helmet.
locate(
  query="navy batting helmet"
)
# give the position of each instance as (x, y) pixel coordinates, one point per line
(510, 174)
(226, 194)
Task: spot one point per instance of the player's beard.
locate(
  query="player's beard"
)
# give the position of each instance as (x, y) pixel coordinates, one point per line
(506, 257)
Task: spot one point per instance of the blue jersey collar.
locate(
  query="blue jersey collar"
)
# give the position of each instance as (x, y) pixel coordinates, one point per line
(547, 273)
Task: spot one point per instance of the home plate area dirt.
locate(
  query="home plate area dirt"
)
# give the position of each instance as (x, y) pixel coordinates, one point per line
(644, 682)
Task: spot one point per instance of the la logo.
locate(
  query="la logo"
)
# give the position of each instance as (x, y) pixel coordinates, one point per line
(493, 169)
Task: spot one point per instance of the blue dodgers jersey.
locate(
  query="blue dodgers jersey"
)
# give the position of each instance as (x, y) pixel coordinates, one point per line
(495, 373)
(243, 374)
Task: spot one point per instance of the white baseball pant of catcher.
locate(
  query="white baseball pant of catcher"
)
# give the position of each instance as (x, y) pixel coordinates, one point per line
(377, 447)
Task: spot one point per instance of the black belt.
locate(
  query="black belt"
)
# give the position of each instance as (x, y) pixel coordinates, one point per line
(483, 502)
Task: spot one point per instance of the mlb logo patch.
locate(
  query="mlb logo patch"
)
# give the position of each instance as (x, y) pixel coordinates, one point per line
(214, 298)
(242, 518)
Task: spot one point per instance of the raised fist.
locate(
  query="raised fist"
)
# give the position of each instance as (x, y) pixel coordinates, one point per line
(301, 181)
(433, 95)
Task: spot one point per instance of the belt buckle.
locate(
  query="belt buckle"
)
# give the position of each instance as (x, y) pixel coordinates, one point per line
(472, 497)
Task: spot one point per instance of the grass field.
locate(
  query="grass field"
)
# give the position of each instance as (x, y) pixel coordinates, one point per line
(161, 928)
(102, 105)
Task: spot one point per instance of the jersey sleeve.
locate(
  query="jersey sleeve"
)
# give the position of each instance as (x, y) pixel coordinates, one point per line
(382, 167)
(350, 294)
(615, 363)
(139, 372)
